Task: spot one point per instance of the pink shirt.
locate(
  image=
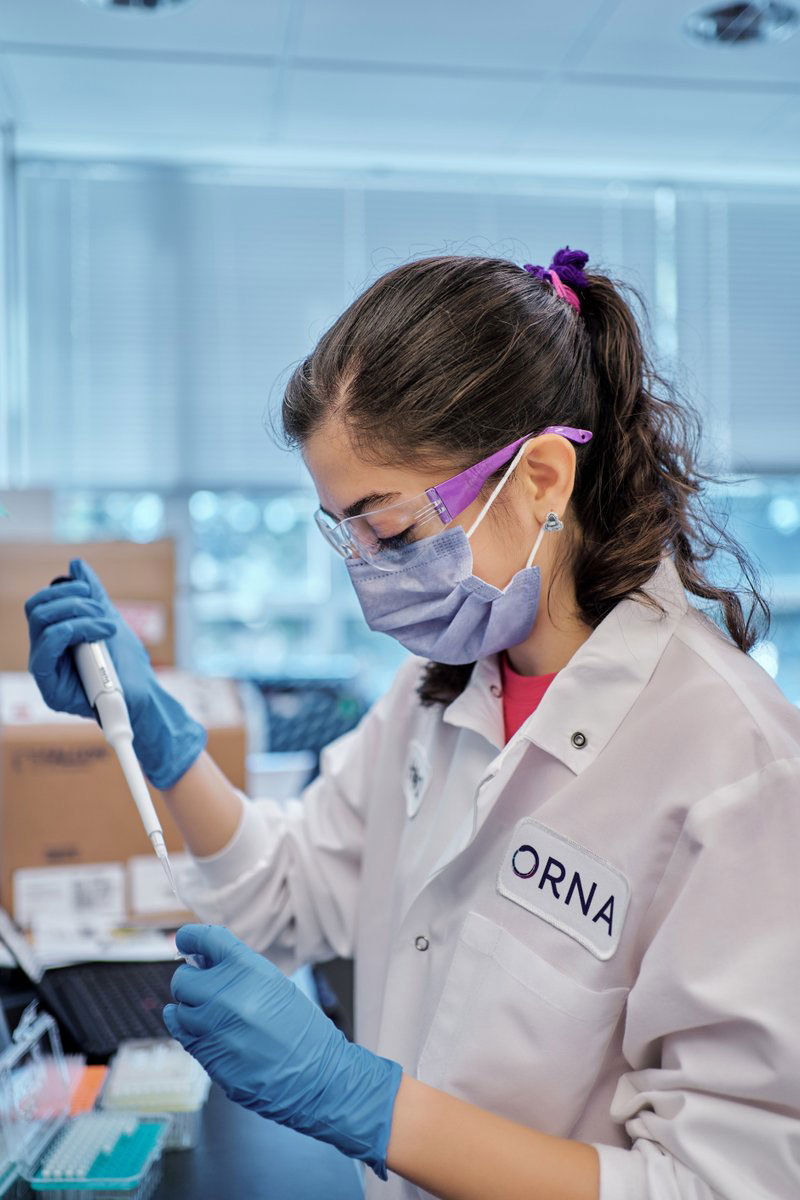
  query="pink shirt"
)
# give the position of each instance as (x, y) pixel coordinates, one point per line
(521, 695)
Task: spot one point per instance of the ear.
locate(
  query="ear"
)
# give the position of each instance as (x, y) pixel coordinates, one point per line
(547, 473)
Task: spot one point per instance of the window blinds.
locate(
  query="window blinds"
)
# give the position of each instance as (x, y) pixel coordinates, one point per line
(164, 309)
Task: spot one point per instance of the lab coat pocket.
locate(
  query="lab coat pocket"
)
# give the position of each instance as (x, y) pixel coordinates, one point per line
(514, 1034)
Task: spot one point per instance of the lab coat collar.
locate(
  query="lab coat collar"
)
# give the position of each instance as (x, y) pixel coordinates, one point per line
(599, 685)
(480, 707)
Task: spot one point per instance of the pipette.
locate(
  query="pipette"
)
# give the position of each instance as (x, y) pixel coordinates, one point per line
(104, 692)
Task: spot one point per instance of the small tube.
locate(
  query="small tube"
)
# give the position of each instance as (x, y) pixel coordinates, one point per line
(193, 960)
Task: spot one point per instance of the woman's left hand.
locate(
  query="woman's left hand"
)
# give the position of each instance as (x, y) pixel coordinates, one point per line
(273, 1050)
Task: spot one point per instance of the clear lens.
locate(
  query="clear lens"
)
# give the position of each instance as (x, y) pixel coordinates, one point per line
(380, 536)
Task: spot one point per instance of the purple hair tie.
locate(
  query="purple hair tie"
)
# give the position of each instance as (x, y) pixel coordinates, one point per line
(565, 269)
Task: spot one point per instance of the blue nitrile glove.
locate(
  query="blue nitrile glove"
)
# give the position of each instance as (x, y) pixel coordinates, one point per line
(273, 1050)
(165, 738)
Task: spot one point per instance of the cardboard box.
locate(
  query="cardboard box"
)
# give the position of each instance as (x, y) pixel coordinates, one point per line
(139, 578)
(64, 801)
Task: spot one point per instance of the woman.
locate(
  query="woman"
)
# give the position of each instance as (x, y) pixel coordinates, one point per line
(562, 849)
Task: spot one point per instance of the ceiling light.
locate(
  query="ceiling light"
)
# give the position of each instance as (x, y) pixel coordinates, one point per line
(138, 5)
(784, 514)
(740, 24)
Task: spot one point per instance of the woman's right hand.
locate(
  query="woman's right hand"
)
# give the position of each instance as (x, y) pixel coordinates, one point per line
(166, 739)
(62, 616)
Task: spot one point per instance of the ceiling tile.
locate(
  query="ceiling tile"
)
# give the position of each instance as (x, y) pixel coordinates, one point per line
(80, 96)
(783, 128)
(211, 26)
(648, 40)
(402, 110)
(510, 33)
(681, 122)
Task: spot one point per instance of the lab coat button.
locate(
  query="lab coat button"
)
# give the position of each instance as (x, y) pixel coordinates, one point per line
(578, 739)
(421, 942)
(495, 689)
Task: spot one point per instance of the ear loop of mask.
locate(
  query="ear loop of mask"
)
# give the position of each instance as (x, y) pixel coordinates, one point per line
(512, 467)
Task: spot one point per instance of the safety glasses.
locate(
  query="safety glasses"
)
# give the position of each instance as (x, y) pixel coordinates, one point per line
(380, 535)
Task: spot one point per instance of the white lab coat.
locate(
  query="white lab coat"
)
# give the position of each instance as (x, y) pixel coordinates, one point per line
(654, 1014)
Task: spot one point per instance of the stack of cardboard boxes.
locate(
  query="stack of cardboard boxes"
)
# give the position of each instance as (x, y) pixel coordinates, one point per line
(71, 841)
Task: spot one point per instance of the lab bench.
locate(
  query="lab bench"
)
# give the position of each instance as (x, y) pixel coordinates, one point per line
(243, 1157)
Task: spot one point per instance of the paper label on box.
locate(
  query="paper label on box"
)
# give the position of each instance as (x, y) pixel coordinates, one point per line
(76, 892)
(147, 619)
(148, 888)
(211, 701)
(21, 702)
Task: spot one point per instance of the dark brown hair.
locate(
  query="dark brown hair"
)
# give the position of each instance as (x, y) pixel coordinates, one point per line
(450, 358)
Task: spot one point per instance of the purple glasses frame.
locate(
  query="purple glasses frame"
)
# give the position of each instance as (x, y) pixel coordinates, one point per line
(457, 493)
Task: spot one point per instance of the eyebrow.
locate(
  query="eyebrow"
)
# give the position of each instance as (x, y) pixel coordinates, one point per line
(355, 509)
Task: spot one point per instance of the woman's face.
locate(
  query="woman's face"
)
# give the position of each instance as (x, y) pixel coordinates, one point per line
(501, 543)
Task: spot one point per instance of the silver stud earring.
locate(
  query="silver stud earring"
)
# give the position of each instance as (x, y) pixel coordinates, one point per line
(553, 523)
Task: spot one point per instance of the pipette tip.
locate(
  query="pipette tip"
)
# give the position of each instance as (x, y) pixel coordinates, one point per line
(164, 860)
(157, 840)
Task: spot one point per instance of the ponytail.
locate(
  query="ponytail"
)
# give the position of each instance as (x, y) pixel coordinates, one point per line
(644, 494)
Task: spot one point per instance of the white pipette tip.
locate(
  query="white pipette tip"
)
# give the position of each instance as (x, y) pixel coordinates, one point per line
(157, 840)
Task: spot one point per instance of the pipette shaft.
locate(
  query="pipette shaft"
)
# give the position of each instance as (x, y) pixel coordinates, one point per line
(123, 747)
(104, 692)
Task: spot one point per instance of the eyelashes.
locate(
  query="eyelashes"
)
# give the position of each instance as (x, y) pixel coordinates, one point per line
(397, 540)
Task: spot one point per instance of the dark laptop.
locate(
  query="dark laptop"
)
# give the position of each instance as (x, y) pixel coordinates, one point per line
(98, 1004)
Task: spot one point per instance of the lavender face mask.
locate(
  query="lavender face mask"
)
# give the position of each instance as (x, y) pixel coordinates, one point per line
(432, 604)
